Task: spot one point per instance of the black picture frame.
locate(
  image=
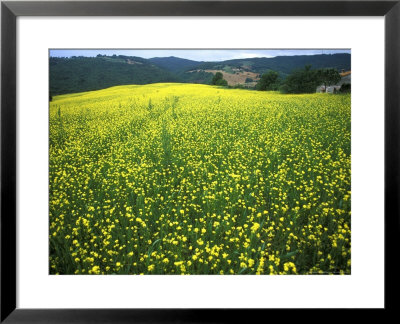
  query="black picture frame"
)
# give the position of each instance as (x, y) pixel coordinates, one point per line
(10, 10)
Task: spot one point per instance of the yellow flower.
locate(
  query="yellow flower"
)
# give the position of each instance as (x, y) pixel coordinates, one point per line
(96, 269)
(145, 174)
(289, 265)
(255, 227)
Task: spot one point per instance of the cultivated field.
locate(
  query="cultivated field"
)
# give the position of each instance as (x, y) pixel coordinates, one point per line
(238, 77)
(195, 179)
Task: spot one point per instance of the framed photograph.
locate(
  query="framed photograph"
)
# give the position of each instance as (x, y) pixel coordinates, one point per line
(163, 158)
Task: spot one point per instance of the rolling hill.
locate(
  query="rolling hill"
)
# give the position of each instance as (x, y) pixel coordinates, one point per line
(174, 64)
(282, 64)
(77, 74)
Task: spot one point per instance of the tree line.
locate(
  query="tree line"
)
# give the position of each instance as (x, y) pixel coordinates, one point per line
(305, 80)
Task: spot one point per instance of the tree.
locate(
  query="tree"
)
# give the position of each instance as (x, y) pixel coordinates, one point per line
(218, 79)
(301, 81)
(221, 82)
(268, 81)
(328, 77)
(345, 88)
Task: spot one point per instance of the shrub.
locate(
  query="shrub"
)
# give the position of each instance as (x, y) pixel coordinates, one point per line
(268, 81)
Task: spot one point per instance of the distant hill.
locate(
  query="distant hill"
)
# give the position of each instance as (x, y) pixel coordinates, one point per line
(282, 64)
(180, 66)
(77, 74)
(174, 64)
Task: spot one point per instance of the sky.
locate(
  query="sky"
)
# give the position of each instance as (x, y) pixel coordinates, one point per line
(196, 55)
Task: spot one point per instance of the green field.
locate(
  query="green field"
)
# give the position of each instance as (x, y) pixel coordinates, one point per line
(196, 179)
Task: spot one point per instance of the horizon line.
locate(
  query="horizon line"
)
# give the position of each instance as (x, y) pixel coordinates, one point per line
(183, 58)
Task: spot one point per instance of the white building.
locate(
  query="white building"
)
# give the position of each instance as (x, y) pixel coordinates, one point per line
(329, 89)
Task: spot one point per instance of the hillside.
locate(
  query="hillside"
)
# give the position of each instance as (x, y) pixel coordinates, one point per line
(77, 74)
(174, 64)
(282, 64)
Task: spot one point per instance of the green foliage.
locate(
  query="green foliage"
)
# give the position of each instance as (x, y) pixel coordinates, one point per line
(345, 88)
(216, 77)
(268, 81)
(228, 69)
(301, 81)
(328, 76)
(78, 73)
(195, 77)
(238, 86)
(219, 80)
(70, 75)
(174, 64)
(283, 64)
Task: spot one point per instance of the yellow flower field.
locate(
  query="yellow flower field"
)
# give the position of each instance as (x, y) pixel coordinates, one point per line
(196, 179)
